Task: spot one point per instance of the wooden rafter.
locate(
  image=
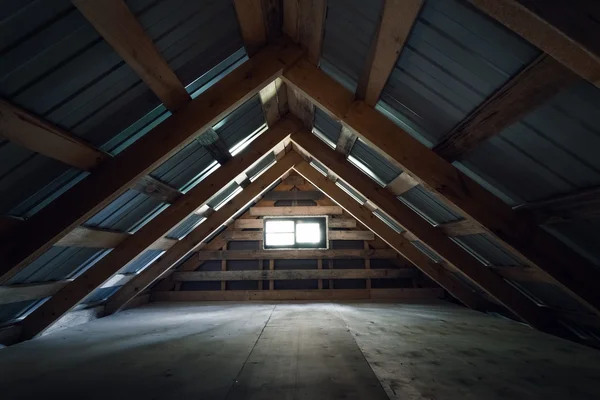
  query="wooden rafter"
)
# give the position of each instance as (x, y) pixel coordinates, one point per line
(119, 27)
(304, 23)
(571, 271)
(472, 269)
(117, 174)
(199, 234)
(252, 24)
(397, 20)
(157, 228)
(537, 83)
(549, 26)
(397, 242)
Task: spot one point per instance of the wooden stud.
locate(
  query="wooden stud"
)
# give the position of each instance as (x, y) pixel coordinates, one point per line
(223, 268)
(529, 89)
(397, 20)
(131, 248)
(519, 236)
(119, 27)
(320, 267)
(368, 264)
(552, 30)
(93, 193)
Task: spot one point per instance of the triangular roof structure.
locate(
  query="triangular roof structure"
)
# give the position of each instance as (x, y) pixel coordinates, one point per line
(154, 161)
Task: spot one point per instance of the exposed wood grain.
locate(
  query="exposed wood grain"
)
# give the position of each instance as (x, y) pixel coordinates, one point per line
(293, 274)
(26, 292)
(252, 24)
(304, 23)
(569, 41)
(345, 141)
(155, 188)
(274, 101)
(332, 235)
(518, 235)
(158, 227)
(294, 196)
(35, 134)
(461, 228)
(295, 211)
(582, 204)
(338, 294)
(119, 27)
(529, 89)
(96, 191)
(259, 223)
(397, 20)
(303, 254)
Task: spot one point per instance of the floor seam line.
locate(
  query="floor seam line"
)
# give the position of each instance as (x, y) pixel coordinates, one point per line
(250, 353)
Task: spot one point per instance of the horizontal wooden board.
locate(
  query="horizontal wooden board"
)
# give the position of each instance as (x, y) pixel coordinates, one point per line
(332, 235)
(303, 254)
(259, 223)
(336, 294)
(293, 274)
(294, 211)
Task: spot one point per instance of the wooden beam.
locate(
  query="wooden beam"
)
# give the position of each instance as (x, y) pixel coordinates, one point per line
(345, 141)
(35, 134)
(96, 191)
(401, 184)
(348, 223)
(529, 89)
(274, 101)
(196, 236)
(119, 27)
(27, 292)
(397, 20)
(215, 146)
(582, 204)
(252, 24)
(158, 227)
(397, 242)
(461, 228)
(332, 235)
(522, 274)
(157, 189)
(294, 211)
(302, 254)
(261, 295)
(294, 196)
(293, 274)
(300, 106)
(304, 23)
(548, 25)
(425, 232)
(571, 271)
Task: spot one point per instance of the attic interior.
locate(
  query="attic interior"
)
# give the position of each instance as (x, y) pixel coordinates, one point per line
(299, 199)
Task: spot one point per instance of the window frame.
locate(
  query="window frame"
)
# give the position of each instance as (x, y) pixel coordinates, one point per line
(322, 220)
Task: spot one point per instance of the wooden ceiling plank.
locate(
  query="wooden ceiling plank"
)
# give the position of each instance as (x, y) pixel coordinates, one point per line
(395, 241)
(119, 27)
(154, 230)
(93, 193)
(529, 89)
(425, 232)
(199, 234)
(397, 20)
(519, 236)
(552, 31)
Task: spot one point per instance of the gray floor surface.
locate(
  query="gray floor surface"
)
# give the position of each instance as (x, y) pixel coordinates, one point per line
(299, 350)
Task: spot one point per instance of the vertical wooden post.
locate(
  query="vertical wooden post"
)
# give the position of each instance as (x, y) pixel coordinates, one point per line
(320, 266)
(271, 267)
(367, 263)
(224, 268)
(260, 265)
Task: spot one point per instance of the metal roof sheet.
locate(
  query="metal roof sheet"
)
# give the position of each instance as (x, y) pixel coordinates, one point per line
(582, 235)
(552, 150)
(186, 226)
(241, 123)
(328, 129)
(349, 29)
(127, 212)
(428, 206)
(550, 295)
(141, 262)
(261, 166)
(350, 190)
(486, 249)
(454, 59)
(13, 311)
(100, 295)
(223, 195)
(188, 164)
(383, 170)
(427, 251)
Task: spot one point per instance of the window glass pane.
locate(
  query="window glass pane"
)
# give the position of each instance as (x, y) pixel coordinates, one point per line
(279, 226)
(308, 233)
(279, 239)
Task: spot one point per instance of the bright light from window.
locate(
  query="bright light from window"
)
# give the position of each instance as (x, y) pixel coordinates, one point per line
(308, 233)
(277, 226)
(279, 239)
(279, 233)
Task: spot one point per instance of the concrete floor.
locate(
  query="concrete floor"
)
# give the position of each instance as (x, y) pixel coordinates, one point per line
(299, 350)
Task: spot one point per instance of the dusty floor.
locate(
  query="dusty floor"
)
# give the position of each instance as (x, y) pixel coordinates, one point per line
(302, 350)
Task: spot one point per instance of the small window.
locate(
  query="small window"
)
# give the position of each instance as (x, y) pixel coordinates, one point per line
(296, 233)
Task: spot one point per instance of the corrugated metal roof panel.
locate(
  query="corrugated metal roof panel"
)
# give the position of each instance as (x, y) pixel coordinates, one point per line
(427, 251)
(182, 168)
(486, 249)
(192, 35)
(326, 126)
(349, 30)
(223, 195)
(583, 236)
(350, 190)
(550, 295)
(552, 150)
(262, 165)
(428, 206)
(127, 212)
(100, 295)
(384, 171)
(241, 123)
(58, 263)
(388, 220)
(454, 59)
(141, 262)
(186, 226)
(13, 311)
